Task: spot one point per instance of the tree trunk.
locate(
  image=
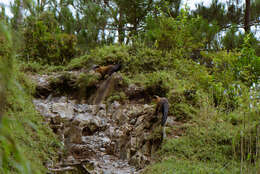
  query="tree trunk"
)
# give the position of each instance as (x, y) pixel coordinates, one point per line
(247, 17)
(121, 32)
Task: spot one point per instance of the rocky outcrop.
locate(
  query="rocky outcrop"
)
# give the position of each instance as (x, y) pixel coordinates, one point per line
(115, 134)
(115, 138)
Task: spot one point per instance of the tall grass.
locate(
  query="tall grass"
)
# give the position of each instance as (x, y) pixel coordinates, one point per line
(25, 143)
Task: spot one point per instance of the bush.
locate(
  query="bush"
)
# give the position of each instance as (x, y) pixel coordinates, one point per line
(173, 34)
(44, 42)
(134, 59)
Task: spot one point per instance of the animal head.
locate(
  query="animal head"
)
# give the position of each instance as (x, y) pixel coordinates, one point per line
(156, 98)
(95, 67)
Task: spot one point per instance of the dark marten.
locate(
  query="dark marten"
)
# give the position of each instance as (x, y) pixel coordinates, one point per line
(107, 70)
(162, 105)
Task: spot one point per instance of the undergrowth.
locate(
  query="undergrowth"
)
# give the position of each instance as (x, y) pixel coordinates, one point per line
(26, 142)
(219, 112)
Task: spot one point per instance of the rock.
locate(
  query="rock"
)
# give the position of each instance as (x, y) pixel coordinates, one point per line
(119, 133)
(102, 106)
(110, 132)
(146, 136)
(147, 107)
(106, 140)
(43, 88)
(81, 108)
(139, 160)
(133, 121)
(135, 92)
(113, 107)
(140, 120)
(56, 120)
(102, 113)
(93, 109)
(126, 129)
(92, 131)
(139, 129)
(170, 121)
(65, 110)
(62, 99)
(111, 148)
(90, 121)
(133, 142)
(72, 135)
(146, 149)
(43, 109)
(120, 116)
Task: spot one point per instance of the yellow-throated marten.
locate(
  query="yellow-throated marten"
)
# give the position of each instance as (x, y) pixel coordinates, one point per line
(163, 106)
(107, 70)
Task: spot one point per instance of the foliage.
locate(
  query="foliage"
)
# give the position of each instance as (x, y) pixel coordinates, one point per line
(168, 52)
(179, 166)
(45, 43)
(84, 61)
(173, 34)
(227, 13)
(86, 84)
(22, 131)
(248, 65)
(34, 67)
(119, 96)
(211, 142)
(133, 60)
(231, 40)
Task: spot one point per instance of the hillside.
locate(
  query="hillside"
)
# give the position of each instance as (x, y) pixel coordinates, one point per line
(205, 128)
(78, 80)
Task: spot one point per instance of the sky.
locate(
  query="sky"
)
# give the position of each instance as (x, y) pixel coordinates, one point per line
(191, 3)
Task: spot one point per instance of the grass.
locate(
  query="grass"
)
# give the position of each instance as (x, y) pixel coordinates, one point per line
(211, 143)
(184, 166)
(26, 134)
(34, 67)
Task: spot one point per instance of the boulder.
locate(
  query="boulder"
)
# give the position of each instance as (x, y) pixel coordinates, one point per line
(43, 109)
(64, 110)
(91, 122)
(135, 92)
(139, 160)
(120, 116)
(82, 108)
(113, 107)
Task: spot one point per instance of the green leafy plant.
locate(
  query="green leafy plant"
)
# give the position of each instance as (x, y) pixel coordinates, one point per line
(44, 42)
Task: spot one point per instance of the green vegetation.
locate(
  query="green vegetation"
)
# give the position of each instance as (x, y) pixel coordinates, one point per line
(213, 102)
(47, 43)
(26, 143)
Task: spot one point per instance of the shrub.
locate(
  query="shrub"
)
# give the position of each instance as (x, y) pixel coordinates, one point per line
(44, 42)
(80, 62)
(173, 34)
(117, 96)
(133, 62)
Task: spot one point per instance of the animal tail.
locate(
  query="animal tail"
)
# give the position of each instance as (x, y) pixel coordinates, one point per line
(165, 109)
(117, 67)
